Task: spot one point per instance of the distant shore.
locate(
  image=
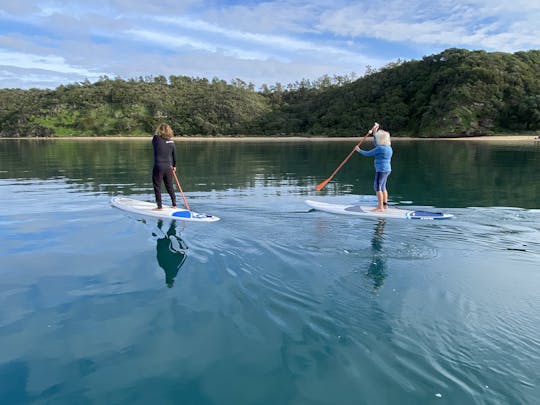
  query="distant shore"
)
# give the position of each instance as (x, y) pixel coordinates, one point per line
(492, 138)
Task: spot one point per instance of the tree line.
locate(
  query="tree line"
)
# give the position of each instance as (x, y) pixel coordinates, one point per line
(454, 93)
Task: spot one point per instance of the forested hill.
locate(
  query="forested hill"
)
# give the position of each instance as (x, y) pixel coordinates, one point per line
(454, 93)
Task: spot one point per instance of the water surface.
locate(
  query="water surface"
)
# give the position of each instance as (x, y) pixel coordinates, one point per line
(274, 303)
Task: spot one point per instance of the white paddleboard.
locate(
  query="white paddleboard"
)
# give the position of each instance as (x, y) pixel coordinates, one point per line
(366, 211)
(148, 209)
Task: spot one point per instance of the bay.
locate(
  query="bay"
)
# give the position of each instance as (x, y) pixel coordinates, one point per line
(274, 303)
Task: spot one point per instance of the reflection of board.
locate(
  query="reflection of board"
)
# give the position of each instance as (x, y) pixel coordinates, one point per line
(366, 211)
(147, 208)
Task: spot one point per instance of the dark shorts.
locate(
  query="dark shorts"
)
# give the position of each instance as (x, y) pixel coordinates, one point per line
(380, 181)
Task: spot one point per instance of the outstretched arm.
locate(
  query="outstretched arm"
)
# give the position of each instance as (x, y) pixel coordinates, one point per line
(371, 152)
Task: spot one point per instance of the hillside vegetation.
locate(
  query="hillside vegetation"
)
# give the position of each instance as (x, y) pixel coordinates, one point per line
(454, 93)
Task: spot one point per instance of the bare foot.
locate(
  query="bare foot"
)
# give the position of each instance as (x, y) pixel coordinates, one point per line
(157, 209)
(377, 209)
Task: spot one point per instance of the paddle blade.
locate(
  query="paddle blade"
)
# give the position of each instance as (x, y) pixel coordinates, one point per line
(322, 185)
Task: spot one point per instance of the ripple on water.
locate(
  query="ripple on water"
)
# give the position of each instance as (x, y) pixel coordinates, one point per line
(310, 278)
(502, 227)
(463, 346)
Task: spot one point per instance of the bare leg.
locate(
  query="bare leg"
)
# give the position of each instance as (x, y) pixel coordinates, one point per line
(380, 202)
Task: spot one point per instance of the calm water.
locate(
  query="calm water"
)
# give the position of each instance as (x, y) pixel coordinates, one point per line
(274, 304)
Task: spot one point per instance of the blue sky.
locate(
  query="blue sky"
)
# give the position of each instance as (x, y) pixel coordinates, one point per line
(46, 43)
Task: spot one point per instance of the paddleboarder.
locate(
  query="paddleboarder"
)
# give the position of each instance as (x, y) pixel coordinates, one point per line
(164, 163)
(382, 152)
(171, 252)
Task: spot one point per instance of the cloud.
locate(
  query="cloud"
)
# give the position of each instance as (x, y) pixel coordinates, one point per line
(261, 42)
(51, 63)
(492, 25)
(34, 78)
(179, 41)
(275, 17)
(277, 42)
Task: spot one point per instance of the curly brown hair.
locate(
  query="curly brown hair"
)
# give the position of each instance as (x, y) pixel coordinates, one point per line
(164, 131)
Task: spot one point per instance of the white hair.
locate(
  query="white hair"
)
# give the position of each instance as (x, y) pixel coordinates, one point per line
(382, 137)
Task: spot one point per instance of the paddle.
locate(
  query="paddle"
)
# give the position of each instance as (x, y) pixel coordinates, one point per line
(180, 188)
(320, 186)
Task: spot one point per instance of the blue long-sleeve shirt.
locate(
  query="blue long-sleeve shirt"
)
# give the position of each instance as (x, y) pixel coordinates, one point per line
(383, 156)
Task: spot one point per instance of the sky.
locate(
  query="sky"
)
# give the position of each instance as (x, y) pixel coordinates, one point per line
(46, 43)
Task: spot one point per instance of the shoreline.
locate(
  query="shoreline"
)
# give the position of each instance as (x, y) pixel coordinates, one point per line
(492, 138)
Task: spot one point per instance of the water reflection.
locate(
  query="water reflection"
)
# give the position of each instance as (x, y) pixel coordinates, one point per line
(503, 170)
(171, 251)
(377, 267)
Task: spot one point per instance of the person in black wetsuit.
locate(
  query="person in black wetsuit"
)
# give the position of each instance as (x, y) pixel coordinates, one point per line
(171, 252)
(164, 163)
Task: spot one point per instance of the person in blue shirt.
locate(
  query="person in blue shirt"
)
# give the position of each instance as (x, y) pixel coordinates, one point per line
(164, 163)
(382, 152)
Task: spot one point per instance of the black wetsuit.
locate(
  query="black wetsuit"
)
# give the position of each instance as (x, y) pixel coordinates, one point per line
(171, 253)
(164, 161)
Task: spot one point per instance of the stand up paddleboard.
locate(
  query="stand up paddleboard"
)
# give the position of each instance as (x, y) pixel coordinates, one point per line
(148, 209)
(365, 211)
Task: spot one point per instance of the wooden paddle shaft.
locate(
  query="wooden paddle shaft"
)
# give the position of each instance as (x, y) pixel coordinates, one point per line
(324, 183)
(180, 188)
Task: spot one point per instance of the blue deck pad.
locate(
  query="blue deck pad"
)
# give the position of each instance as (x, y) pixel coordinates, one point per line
(182, 214)
(427, 215)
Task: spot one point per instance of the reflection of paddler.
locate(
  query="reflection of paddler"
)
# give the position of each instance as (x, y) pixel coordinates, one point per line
(171, 253)
(377, 267)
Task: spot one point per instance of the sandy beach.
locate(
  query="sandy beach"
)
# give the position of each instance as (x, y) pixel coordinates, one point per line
(494, 138)
(505, 138)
